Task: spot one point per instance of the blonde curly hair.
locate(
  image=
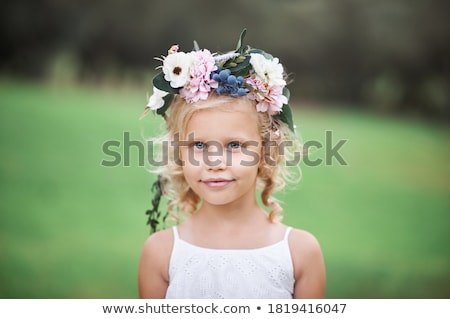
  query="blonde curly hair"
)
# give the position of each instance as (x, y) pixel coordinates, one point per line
(279, 147)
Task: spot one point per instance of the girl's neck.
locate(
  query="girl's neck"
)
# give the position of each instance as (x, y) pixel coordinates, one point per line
(237, 213)
(238, 227)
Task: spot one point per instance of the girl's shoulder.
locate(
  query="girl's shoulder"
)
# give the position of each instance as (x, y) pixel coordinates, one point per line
(304, 247)
(308, 263)
(153, 274)
(159, 241)
(303, 240)
(157, 248)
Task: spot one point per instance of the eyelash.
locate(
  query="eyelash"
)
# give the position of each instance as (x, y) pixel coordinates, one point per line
(236, 143)
(200, 146)
(195, 145)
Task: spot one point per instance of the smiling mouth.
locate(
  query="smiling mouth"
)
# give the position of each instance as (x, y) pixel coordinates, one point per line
(217, 183)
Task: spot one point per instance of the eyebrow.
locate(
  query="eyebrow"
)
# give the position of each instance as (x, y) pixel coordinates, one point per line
(193, 136)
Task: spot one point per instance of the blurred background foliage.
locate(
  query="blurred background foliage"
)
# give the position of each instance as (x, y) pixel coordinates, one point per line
(75, 74)
(386, 55)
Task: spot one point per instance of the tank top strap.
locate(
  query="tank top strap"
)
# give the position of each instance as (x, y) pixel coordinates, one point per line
(176, 237)
(286, 234)
(175, 233)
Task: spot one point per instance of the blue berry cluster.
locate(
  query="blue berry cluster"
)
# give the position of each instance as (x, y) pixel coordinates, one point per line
(229, 83)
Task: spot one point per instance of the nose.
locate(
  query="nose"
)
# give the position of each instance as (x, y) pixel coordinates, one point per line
(215, 157)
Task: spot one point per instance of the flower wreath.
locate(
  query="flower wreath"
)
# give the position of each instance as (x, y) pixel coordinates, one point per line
(244, 72)
(194, 75)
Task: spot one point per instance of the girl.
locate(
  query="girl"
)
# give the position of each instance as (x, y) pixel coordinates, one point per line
(228, 123)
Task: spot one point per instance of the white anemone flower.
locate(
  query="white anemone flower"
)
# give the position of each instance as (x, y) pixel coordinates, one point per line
(156, 100)
(270, 71)
(176, 68)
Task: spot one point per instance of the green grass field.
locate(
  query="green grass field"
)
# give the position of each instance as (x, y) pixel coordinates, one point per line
(72, 228)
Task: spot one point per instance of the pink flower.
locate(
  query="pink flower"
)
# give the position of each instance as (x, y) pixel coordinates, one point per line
(269, 98)
(199, 83)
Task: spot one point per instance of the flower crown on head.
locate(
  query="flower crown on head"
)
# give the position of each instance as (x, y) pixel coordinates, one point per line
(244, 72)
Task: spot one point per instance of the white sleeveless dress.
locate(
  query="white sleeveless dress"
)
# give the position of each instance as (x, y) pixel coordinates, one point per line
(203, 273)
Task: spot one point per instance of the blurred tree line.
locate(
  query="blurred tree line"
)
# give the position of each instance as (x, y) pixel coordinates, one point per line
(387, 54)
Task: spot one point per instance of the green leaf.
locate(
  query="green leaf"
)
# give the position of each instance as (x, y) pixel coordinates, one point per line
(265, 54)
(196, 46)
(286, 112)
(286, 93)
(160, 83)
(243, 68)
(241, 39)
(167, 101)
(286, 116)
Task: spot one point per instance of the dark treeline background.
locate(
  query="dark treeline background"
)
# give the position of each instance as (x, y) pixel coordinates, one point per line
(388, 55)
(74, 75)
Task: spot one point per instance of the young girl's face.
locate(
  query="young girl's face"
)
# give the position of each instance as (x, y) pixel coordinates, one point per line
(224, 152)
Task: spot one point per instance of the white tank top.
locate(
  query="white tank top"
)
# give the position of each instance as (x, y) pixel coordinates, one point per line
(204, 273)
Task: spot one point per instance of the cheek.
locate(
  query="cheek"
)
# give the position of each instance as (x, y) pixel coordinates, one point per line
(191, 164)
(184, 153)
(190, 174)
(191, 157)
(250, 156)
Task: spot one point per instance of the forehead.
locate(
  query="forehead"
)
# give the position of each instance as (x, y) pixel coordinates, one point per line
(227, 120)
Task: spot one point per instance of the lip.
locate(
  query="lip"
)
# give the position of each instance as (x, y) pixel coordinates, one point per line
(217, 182)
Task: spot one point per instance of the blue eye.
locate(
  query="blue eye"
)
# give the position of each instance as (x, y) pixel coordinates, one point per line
(199, 145)
(234, 145)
